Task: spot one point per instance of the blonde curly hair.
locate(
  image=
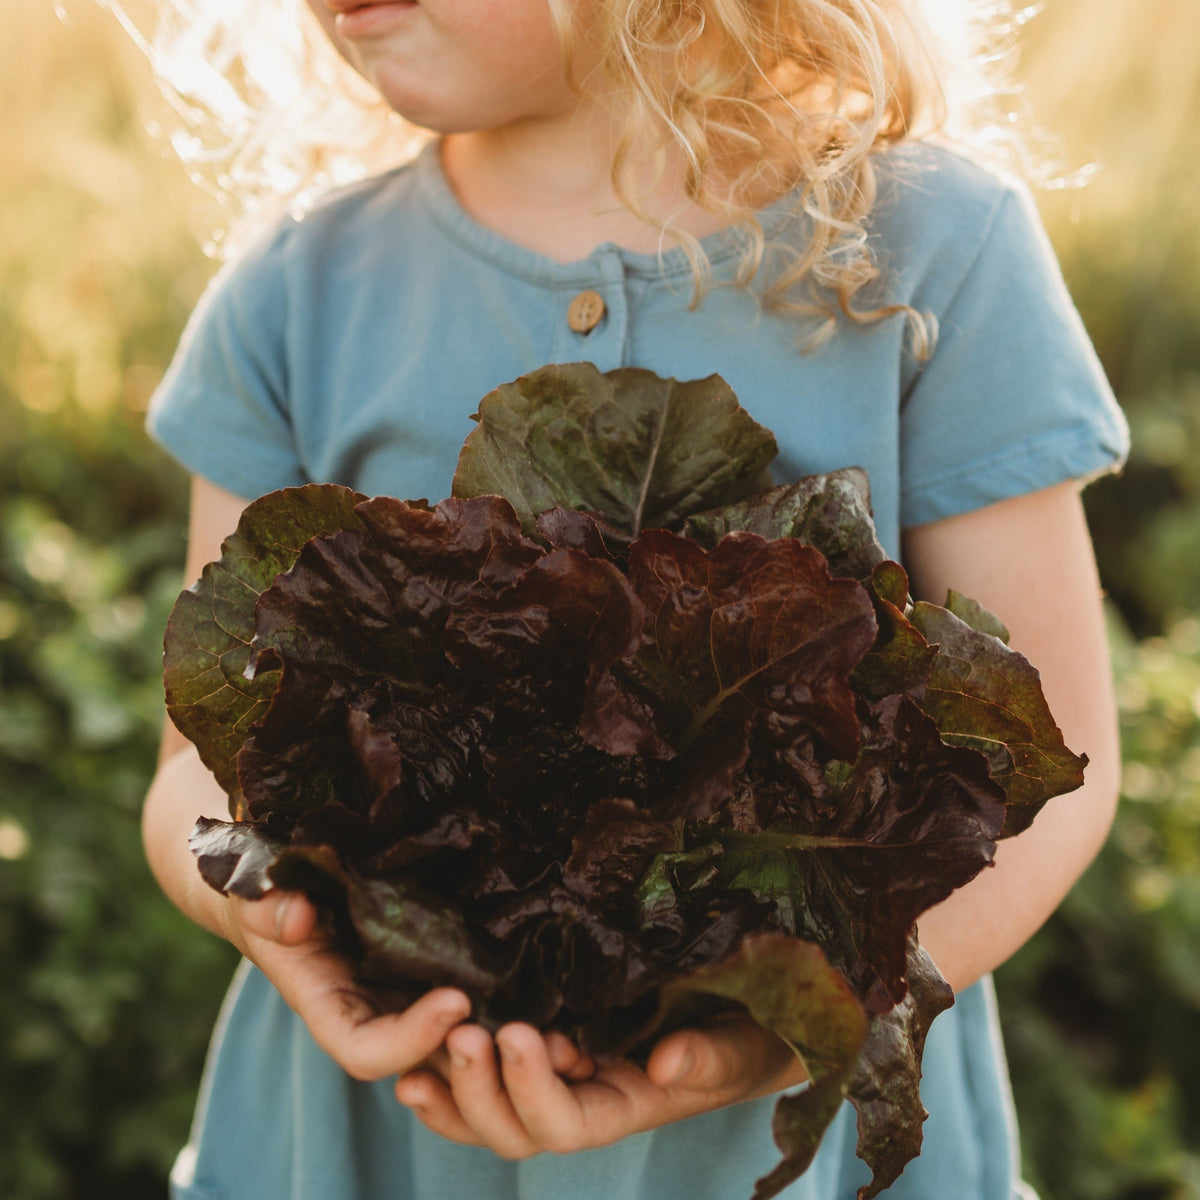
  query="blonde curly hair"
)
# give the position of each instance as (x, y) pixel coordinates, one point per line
(761, 97)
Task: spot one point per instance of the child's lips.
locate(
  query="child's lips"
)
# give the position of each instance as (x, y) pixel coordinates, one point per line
(348, 6)
(356, 19)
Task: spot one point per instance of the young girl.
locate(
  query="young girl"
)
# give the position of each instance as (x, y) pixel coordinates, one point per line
(690, 186)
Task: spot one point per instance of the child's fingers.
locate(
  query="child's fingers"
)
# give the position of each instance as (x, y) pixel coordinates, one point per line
(479, 1095)
(693, 1071)
(546, 1106)
(566, 1059)
(429, 1098)
(285, 917)
(317, 984)
(530, 1103)
(438, 1063)
(382, 1044)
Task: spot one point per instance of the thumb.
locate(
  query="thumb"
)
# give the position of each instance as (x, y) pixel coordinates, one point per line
(728, 1056)
(285, 917)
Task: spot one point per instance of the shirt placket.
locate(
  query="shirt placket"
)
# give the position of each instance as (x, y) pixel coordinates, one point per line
(594, 320)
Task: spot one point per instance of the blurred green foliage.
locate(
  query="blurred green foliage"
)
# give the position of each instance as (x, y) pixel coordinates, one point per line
(1118, 82)
(109, 994)
(1143, 309)
(1100, 1009)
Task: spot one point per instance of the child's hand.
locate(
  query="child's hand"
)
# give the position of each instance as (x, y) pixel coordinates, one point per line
(279, 935)
(528, 1103)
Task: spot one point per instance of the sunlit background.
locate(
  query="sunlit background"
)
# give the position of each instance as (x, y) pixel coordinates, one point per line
(108, 995)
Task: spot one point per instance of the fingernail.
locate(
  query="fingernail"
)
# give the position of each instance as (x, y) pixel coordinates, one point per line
(685, 1069)
(458, 1060)
(281, 911)
(510, 1055)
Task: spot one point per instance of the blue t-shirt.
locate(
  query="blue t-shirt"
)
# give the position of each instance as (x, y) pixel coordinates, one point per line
(354, 344)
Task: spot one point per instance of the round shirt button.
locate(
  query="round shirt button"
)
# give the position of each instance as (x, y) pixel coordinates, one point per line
(585, 312)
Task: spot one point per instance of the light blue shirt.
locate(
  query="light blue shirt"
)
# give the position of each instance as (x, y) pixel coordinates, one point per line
(354, 344)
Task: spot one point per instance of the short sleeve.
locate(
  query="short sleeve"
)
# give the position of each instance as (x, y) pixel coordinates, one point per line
(1014, 398)
(222, 407)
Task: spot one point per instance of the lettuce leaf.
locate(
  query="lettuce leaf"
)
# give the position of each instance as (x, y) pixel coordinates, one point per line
(642, 451)
(213, 696)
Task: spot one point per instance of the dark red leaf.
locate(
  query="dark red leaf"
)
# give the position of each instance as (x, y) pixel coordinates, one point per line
(749, 628)
(885, 1088)
(375, 601)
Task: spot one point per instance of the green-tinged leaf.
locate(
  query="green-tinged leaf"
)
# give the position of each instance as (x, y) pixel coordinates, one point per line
(986, 696)
(829, 512)
(787, 986)
(886, 1085)
(768, 870)
(660, 917)
(889, 583)
(975, 615)
(207, 657)
(901, 659)
(645, 452)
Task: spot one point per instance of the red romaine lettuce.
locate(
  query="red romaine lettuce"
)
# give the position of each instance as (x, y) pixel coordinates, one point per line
(615, 740)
